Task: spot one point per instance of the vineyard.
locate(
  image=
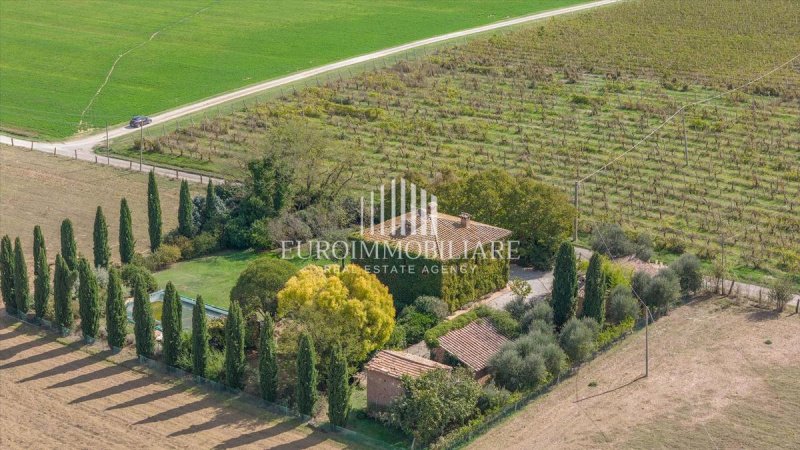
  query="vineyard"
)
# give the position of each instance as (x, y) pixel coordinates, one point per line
(559, 101)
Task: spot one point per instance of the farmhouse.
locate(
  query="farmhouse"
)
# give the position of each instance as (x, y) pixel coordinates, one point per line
(473, 345)
(385, 372)
(424, 252)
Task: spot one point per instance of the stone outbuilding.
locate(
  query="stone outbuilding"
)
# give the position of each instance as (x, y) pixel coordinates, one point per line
(473, 345)
(384, 375)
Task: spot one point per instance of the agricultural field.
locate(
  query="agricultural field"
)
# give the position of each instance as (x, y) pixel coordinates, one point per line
(127, 58)
(37, 189)
(57, 396)
(721, 376)
(561, 100)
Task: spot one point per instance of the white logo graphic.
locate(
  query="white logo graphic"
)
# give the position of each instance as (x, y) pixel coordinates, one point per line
(419, 220)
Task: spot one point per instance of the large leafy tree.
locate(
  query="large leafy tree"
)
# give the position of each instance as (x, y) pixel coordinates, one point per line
(153, 212)
(258, 285)
(88, 305)
(349, 306)
(22, 290)
(7, 274)
(235, 363)
(565, 285)
(127, 244)
(171, 325)
(539, 216)
(102, 254)
(41, 281)
(199, 338)
(268, 362)
(594, 299)
(143, 319)
(338, 388)
(116, 319)
(185, 211)
(69, 248)
(306, 387)
(63, 280)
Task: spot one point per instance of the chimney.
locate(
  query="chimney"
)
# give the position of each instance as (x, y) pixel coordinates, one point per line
(465, 218)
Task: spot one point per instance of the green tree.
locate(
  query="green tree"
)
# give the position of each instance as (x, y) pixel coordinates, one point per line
(258, 285)
(268, 362)
(663, 290)
(594, 299)
(199, 338)
(565, 285)
(306, 388)
(210, 209)
(102, 254)
(690, 275)
(41, 282)
(338, 388)
(185, 209)
(127, 244)
(63, 280)
(143, 320)
(69, 249)
(116, 316)
(88, 306)
(22, 290)
(171, 325)
(235, 363)
(153, 212)
(577, 338)
(7, 273)
(38, 245)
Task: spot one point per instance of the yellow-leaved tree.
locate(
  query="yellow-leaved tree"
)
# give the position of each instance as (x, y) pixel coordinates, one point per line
(349, 306)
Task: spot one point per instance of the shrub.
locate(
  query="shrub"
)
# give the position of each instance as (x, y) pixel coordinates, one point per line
(163, 257)
(215, 366)
(690, 276)
(130, 272)
(611, 333)
(640, 282)
(493, 398)
(397, 340)
(257, 287)
(611, 240)
(577, 338)
(204, 243)
(780, 293)
(434, 306)
(622, 305)
(662, 290)
(541, 312)
(416, 323)
(528, 361)
(615, 274)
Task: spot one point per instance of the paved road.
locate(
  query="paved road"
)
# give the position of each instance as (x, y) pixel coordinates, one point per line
(82, 148)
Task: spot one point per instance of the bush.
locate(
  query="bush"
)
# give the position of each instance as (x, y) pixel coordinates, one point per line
(132, 271)
(397, 340)
(615, 274)
(611, 240)
(416, 323)
(493, 398)
(610, 334)
(528, 361)
(257, 287)
(203, 244)
(165, 256)
(216, 334)
(434, 306)
(662, 290)
(622, 305)
(690, 276)
(215, 366)
(640, 282)
(541, 312)
(577, 338)
(780, 293)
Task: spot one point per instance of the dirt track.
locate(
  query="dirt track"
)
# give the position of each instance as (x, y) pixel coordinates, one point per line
(54, 396)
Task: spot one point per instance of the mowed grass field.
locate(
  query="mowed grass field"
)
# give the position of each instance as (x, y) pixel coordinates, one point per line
(37, 189)
(721, 376)
(55, 57)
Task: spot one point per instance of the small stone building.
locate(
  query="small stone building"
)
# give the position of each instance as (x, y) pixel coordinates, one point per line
(473, 345)
(385, 372)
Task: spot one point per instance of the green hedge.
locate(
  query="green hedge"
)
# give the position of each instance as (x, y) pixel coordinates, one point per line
(502, 321)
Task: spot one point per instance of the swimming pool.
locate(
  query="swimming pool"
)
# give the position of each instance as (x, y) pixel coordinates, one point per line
(187, 306)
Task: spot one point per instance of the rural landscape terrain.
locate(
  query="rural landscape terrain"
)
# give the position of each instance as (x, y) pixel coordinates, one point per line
(400, 224)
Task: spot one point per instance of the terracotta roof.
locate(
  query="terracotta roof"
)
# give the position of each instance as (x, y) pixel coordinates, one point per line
(415, 234)
(474, 344)
(397, 364)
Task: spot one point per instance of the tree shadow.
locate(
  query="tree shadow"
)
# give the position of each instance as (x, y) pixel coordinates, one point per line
(640, 377)
(258, 435)
(39, 357)
(113, 390)
(312, 440)
(68, 367)
(203, 403)
(10, 352)
(762, 315)
(151, 397)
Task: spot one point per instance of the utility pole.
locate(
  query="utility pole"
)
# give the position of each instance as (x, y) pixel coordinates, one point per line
(685, 144)
(141, 145)
(108, 148)
(575, 225)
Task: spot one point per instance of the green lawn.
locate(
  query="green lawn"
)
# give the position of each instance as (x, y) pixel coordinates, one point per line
(214, 276)
(54, 59)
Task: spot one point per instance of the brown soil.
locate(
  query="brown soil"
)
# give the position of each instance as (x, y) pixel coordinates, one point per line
(54, 396)
(721, 376)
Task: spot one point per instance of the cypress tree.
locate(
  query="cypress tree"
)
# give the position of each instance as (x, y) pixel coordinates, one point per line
(306, 388)
(69, 249)
(88, 306)
(38, 245)
(268, 362)
(234, 347)
(41, 283)
(22, 290)
(7, 274)
(116, 316)
(63, 279)
(142, 320)
(102, 254)
(594, 298)
(153, 212)
(185, 208)
(126, 242)
(199, 338)
(338, 388)
(171, 325)
(565, 285)
(210, 210)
